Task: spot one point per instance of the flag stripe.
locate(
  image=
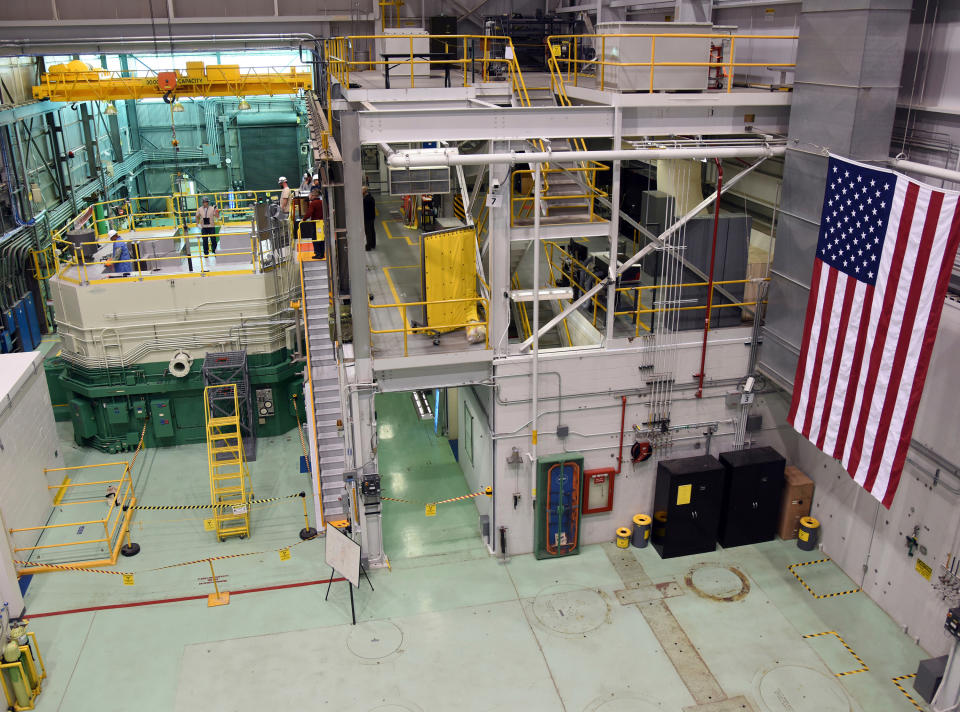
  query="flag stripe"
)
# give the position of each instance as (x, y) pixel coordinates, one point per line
(926, 352)
(919, 276)
(805, 345)
(838, 353)
(918, 270)
(825, 315)
(846, 365)
(880, 337)
(846, 418)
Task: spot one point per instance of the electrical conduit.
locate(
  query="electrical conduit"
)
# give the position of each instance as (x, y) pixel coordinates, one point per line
(713, 257)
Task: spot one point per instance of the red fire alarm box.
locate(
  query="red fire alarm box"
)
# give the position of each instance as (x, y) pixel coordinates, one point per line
(597, 493)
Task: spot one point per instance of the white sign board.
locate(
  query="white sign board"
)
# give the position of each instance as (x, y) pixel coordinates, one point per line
(343, 554)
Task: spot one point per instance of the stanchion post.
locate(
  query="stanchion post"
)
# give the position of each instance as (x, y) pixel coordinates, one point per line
(218, 598)
(307, 532)
(130, 548)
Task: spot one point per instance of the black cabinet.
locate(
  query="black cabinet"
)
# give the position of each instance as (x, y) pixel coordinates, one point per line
(751, 501)
(687, 505)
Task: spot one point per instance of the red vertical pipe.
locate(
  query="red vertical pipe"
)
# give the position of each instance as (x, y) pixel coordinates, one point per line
(713, 257)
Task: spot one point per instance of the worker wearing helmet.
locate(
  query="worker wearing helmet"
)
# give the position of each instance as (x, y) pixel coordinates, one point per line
(206, 218)
(120, 261)
(305, 183)
(284, 197)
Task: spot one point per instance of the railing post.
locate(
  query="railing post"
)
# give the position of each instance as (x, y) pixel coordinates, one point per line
(603, 60)
(653, 54)
(403, 316)
(733, 41)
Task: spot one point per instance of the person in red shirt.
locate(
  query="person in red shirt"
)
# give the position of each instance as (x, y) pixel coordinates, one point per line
(313, 213)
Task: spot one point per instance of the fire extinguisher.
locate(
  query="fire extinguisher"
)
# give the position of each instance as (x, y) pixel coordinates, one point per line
(640, 451)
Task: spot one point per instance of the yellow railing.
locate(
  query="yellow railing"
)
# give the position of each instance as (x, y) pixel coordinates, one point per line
(582, 278)
(471, 54)
(120, 500)
(128, 217)
(407, 330)
(522, 204)
(565, 52)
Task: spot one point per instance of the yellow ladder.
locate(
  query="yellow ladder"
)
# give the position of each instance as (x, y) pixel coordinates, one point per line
(230, 490)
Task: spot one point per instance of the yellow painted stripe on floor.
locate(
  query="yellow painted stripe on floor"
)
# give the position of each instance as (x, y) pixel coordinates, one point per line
(62, 490)
(896, 681)
(386, 229)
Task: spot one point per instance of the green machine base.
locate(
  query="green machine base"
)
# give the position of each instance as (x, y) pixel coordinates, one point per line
(108, 407)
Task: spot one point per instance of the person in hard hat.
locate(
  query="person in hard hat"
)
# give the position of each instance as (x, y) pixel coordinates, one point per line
(314, 213)
(316, 183)
(369, 219)
(206, 218)
(305, 183)
(284, 197)
(120, 261)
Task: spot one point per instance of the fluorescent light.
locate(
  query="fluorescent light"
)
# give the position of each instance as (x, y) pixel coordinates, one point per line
(526, 295)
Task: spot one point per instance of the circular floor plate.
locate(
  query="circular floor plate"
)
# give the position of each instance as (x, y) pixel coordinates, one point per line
(570, 609)
(374, 640)
(720, 583)
(793, 688)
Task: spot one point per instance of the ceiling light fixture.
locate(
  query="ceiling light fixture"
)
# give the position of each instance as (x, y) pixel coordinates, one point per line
(111, 109)
(177, 107)
(244, 105)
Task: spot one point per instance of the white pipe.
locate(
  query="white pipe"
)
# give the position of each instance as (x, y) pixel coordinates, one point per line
(924, 169)
(405, 159)
(537, 182)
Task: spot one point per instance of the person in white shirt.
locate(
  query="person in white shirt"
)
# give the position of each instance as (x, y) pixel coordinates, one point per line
(284, 198)
(206, 218)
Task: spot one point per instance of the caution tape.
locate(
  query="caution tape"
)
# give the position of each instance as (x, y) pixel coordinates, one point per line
(896, 681)
(813, 593)
(166, 507)
(66, 567)
(863, 666)
(487, 491)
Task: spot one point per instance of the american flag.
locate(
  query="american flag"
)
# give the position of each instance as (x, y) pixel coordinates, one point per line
(884, 257)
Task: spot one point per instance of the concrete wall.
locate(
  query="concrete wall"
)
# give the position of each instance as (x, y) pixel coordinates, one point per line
(591, 382)
(28, 444)
(868, 541)
(478, 467)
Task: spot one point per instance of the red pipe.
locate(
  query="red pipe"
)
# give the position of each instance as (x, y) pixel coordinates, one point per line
(713, 257)
(179, 599)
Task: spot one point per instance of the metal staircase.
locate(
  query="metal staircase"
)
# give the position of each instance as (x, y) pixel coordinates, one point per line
(324, 381)
(230, 489)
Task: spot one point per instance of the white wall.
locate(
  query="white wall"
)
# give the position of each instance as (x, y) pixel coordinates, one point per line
(592, 383)
(478, 468)
(28, 444)
(868, 541)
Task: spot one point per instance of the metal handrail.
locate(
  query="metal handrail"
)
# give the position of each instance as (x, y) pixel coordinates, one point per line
(555, 44)
(407, 329)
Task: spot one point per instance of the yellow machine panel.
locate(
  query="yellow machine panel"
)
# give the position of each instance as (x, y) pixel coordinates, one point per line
(450, 278)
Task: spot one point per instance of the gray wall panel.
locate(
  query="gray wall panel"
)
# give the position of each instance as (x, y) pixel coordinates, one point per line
(796, 244)
(804, 175)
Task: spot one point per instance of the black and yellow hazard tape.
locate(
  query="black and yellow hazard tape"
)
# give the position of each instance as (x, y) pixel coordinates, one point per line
(896, 681)
(167, 507)
(487, 491)
(813, 593)
(204, 560)
(458, 207)
(863, 666)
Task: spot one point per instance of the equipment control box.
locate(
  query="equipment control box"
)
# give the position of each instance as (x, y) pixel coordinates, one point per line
(162, 418)
(952, 624)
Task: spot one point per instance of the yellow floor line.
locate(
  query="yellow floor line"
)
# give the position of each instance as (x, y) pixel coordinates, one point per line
(61, 491)
(386, 229)
(896, 681)
(863, 666)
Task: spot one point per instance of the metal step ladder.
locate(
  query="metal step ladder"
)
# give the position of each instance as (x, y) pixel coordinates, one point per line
(225, 368)
(325, 380)
(230, 488)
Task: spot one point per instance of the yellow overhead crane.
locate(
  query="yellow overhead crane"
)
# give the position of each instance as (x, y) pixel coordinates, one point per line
(77, 81)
